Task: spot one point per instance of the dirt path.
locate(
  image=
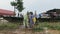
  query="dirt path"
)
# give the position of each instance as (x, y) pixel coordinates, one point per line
(22, 30)
(54, 31)
(28, 32)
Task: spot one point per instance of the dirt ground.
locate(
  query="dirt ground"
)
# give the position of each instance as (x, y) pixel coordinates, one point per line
(22, 30)
(28, 31)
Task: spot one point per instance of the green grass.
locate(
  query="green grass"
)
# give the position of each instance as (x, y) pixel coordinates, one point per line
(39, 27)
(49, 25)
(9, 26)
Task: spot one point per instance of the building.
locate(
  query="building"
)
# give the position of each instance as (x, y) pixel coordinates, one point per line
(54, 13)
(6, 13)
(9, 15)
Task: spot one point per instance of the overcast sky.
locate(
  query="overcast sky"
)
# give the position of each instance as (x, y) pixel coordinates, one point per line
(32, 5)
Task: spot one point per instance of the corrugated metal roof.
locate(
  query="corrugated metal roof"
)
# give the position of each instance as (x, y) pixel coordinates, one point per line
(6, 12)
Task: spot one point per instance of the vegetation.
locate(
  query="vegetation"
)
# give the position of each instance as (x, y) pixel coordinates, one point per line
(42, 25)
(9, 26)
(39, 27)
(18, 4)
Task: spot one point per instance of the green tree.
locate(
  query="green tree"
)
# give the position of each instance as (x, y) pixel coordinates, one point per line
(18, 4)
(14, 4)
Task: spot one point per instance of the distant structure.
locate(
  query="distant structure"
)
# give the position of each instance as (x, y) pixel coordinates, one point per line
(10, 15)
(54, 13)
(6, 13)
(54, 10)
(50, 15)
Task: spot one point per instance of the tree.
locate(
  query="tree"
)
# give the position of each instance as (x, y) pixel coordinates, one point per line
(14, 4)
(18, 4)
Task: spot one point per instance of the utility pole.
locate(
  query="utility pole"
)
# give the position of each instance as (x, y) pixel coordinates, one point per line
(35, 14)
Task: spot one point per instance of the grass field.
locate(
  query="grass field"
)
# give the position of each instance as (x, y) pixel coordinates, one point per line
(48, 25)
(39, 27)
(52, 27)
(9, 26)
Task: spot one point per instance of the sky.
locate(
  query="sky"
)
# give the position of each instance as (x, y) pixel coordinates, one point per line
(33, 5)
